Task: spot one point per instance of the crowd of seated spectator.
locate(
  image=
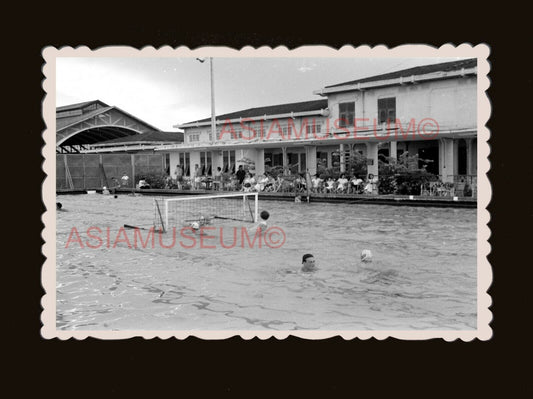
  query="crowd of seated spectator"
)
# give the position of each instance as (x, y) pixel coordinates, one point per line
(294, 183)
(297, 183)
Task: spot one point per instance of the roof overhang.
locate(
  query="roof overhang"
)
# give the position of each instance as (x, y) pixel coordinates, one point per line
(335, 137)
(413, 79)
(293, 115)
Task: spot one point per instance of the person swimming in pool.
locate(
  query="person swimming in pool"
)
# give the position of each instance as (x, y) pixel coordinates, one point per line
(308, 263)
(202, 221)
(262, 225)
(366, 256)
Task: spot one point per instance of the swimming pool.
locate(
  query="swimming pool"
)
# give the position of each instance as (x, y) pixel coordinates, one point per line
(423, 277)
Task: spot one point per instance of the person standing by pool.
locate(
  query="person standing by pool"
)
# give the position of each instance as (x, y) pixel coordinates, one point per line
(308, 263)
(195, 178)
(179, 175)
(241, 174)
(218, 178)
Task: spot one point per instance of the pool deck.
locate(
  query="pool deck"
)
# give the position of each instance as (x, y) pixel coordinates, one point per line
(392, 199)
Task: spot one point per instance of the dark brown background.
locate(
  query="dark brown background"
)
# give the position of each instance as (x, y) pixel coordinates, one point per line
(293, 367)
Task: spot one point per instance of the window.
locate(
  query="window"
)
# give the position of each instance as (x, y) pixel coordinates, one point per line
(167, 164)
(296, 161)
(228, 159)
(321, 160)
(335, 159)
(387, 110)
(268, 159)
(346, 114)
(277, 160)
(313, 127)
(194, 137)
(184, 162)
(205, 163)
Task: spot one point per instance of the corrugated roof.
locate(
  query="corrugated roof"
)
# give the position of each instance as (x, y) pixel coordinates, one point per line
(419, 70)
(70, 120)
(154, 136)
(71, 107)
(305, 106)
(61, 123)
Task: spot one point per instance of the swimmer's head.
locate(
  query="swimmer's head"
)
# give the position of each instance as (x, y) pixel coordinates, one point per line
(366, 256)
(307, 256)
(264, 215)
(195, 225)
(59, 205)
(308, 263)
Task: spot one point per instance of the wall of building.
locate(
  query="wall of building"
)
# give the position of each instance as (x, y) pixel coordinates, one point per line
(452, 102)
(268, 130)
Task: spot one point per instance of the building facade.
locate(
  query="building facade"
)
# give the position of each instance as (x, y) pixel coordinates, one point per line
(429, 111)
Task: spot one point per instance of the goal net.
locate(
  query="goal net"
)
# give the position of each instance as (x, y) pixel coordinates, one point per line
(184, 211)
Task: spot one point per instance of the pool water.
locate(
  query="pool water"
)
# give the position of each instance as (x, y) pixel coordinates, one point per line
(423, 275)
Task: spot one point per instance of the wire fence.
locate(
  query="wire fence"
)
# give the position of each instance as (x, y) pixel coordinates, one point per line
(94, 171)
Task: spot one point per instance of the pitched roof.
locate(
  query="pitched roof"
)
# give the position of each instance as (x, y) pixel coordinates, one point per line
(305, 106)
(87, 111)
(70, 120)
(148, 137)
(419, 70)
(71, 107)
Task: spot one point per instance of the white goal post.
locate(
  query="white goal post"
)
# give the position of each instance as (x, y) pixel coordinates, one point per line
(183, 210)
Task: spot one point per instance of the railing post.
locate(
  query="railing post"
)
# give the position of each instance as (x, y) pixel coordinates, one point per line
(133, 171)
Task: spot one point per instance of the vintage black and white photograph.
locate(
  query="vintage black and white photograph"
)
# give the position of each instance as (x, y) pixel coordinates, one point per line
(262, 192)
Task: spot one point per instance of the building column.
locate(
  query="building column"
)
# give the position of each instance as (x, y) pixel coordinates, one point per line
(260, 161)
(342, 160)
(284, 159)
(471, 157)
(372, 158)
(446, 161)
(455, 157)
(393, 149)
(310, 158)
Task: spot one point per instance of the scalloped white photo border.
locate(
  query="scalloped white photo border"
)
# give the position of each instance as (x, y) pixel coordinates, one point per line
(484, 271)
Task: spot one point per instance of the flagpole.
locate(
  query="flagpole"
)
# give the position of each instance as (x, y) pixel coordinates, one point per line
(213, 123)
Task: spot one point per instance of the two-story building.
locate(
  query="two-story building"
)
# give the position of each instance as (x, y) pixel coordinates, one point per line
(428, 110)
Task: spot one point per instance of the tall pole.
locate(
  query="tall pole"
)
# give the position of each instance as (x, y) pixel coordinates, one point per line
(213, 124)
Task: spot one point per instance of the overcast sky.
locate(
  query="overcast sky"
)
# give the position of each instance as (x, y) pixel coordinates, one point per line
(168, 91)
